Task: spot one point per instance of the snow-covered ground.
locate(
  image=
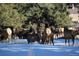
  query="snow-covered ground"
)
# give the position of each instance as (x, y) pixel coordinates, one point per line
(23, 49)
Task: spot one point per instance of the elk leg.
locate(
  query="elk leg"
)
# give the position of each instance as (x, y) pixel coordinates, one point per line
(72, 41)
(69, 42)
(52, 41)
(65, 41)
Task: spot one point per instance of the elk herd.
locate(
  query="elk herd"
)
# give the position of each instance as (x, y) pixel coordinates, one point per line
(46, 36)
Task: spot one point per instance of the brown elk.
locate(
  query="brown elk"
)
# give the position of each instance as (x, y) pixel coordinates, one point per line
(69, 34)
(6, 34)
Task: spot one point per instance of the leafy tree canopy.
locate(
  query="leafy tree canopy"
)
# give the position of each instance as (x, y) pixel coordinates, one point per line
(30, 15)
(10, 16)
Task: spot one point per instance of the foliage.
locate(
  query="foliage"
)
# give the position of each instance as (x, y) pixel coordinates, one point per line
(9, 16)
(32, 15)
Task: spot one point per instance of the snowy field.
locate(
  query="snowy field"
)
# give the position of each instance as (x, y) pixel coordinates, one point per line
(21, 48)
